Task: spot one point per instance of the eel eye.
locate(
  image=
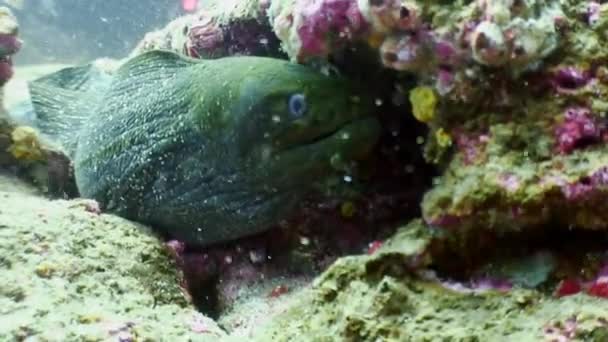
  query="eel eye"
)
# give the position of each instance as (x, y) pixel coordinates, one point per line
(297, 105)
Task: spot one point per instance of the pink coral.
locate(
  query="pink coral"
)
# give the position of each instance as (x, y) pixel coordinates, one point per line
(568, 79)
(326, 23)
(446, 53)
(6, 70)
(598, 287)
(9, 45)
(407, 53)
(579, 129)
(445, 81)
(374, 246)
(577, 191)
(593, 12)
(568, 287)
(470, 145)
(388, 15)
(509, 182)
(587, 186)
(204, 36)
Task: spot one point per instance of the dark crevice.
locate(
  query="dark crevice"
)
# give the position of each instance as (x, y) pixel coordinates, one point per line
(578, 253)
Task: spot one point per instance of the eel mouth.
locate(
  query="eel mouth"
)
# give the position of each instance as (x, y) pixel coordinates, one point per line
(324, 136)
(349, 130)
(351, 140)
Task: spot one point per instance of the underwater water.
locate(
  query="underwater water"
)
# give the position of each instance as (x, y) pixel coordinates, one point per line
(79, 31)
(303, 170)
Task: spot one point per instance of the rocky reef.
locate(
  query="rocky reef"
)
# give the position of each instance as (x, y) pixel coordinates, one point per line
(70, 273)
(513, 94)
(385, 297)
(526, 145)
(495, 137)
(9, 45)
(21, 149)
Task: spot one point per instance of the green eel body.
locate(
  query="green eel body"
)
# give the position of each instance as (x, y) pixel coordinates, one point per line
(206, 150)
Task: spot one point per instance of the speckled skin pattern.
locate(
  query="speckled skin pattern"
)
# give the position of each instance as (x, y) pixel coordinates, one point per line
(207, 151)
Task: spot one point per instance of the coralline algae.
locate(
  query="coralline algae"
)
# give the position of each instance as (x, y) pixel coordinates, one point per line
(514, 94)
(546, 134)
(219, 29)
(72, 274)
(381, 297)
(9, 43)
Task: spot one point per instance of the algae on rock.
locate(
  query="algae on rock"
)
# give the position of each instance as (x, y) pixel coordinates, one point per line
(69, 273)
(380, 298)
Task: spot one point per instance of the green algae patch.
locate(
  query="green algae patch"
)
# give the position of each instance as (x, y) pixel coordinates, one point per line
(70, 274)
(380, 298)
(510, 190)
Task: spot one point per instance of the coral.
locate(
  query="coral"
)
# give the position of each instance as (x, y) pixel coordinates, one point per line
(321, 25)
(390, 15)
(25, 144)
(424, 103)
(9, 44)
(443, 138)
(596, 287)
(514, 95)
(381, 297)
(204, 34)
(69, 274)
(569, 78)
(218, 29)
(580, 128)
(316, 28)
(526, 112)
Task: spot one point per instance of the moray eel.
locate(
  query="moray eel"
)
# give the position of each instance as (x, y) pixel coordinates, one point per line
(205, 150)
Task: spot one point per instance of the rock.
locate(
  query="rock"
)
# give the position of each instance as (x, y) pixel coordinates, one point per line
(69, 273)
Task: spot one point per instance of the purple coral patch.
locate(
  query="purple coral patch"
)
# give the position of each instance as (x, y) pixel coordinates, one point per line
(327, 21)
(9, 44)
(579, 129)
(570, 78)
(204, 36)
(6, 69)
(470, 145)
(587, 186)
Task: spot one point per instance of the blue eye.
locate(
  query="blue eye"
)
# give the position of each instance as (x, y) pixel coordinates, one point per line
(297, 105)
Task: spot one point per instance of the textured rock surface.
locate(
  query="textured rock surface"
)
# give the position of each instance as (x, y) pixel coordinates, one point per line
(8, 32)
(382, 298)
(70, 273)
(533, 151)
(514, 94)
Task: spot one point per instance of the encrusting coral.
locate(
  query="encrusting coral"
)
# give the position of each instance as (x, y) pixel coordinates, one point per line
(514, 94)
